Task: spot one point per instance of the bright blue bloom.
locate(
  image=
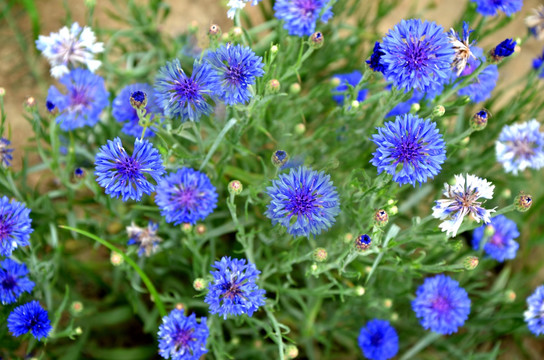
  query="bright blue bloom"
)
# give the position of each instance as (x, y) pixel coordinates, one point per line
(186, 196)
(417, 55)
(184, 96)
(124, 175)
(342, 91)
(441, 305)
(182, 337)
(29, 317)
(520, 146)
(378, 340)
(374, 61)
(123, 111)
(85, 99)
(480, 88)
(238, 67)
(501, 245)
(304, 201)
(233, 290)
(14, 225)
(414, 144)
(146, 238)
(492, 7)
(534, 316)
(504, 49)
(537, 65)
(301, 16)
(363, 242)
(13, 281)
(5, 152)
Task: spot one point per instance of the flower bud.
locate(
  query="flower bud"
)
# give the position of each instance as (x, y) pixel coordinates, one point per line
(300, 129)
(200, 229)
(76, 307)
(235, 187)
(291, 352)
(510, 295)
(214, 32)
(394, 210)
(355, 104)
(79, 173)
(138, 100)
(504, 49)
(415, 108)
(294, 88)
(274, 49)
(314, 267)
(359, 290)
(363, 242)
(348, 238)
(279, 158)
(186, 228)
(523, 202)
(30, 102)
(394, 316)
(317, 40)
(236, 32)
(387, 303)
(438, 111)
(273, 86)
(116, 259)
(2, 91)
(180, 306)
(471, 262)
(320, 254)
(51, 107)
(78, 330)
(381, 218)
(199, 284)
(193, 27)
(506, 193)
(489, 231)
(335, 82)
(479, 120)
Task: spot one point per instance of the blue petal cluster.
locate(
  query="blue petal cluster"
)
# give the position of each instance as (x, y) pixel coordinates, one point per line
(14, 225)
(5, 152)
(501, 245)
(534, 316)
(492, 7)
(123, 111)
(504, 49)
(441, 305)
(13, 281)
(238, 68)
(410, 148)
(186, 196)
(234, 290)
(520, 146)
(374, 61)
(182, 337)
(378, 340)
(301, 16)
(480, 88)
(83, 102)
(537, 65)
(417, 55)
(29, 317)
(123, 175)
(304, 201)
(186, 96)
(342, 92)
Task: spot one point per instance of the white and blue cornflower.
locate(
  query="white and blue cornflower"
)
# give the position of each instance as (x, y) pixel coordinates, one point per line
(480, 88)
(461, 200)
(146, 238)
(235, 5)
(535, 22)
(182, 337)
(5, 152)
(520, 146)
(534, 316)
(462, 49)
(70, 47)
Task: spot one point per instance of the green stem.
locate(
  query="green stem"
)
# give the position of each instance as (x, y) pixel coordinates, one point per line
(420, 345)
(154, 293)
(218, 139)
(277, 331)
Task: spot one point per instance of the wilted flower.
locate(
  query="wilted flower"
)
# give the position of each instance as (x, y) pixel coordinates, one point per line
(146, 238)
(535, 22)
(461, 46)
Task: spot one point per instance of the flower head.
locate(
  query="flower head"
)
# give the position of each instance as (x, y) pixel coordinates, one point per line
(124, 175)
(461, 46)
(238, 5)
(375, 59)
(520, 146)
(417, 55)
(85, 99)
(492, 7)
(479, 89)
(13, 281)
(534, 316)
(410, 148)
(535, 22)
(238, 68)
(69, 47)
(186, 196)
(498, 237)
(441, 305)
(363, 242)
(146, 238)
(186, 96)
(301, 16)
(233, 290)
(461, 200)
(29, 317)
(378, 340)
(14, 225)
(342, 92)
(5, 152)
(537, 65)
(304, 201)
(182, 337)
(504, 49)
(124, 112)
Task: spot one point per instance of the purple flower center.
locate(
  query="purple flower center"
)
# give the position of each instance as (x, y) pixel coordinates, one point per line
(497, 240)
(186, 88)
(8, 283)
(129, 168)
(183, 338)
(407, 151)
(79, 99)
(522, 148)
(301, 203)
(441, 304)
(307, 8)
(187, 197)
(376, 339)
(416, 53)
(235, 74)
(6, 228)
(232, 290)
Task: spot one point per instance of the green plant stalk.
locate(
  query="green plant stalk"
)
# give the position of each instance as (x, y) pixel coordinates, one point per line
(215, 144)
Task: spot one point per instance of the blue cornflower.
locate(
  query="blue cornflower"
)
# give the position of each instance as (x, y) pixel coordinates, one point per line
(13, 281)
(374, 61)
(534, 316)
(342, 91)
(186, 196)
(480, 88)
(378, 340)
(500, 245)
(125, 113)
(182, 337)
(29, 317)
(520, 146)
(414, 144)
(504, 49)
(5, 152)
(238, 67)
(184, 96)
(417, 55)
(537, 64)
(14, 225)
(85, 99)
(301, 16)
(441, 305)
(146, 238)
(492, 7)
(124, 175)
(233, 290)
(304, 201)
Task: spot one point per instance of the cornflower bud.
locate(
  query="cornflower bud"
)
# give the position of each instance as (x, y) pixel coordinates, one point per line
(76, 307)
(381, 218)
(214, 32)
(116, 259)
(235, 187)
(504, 49)
(273, 86)
(180, 306)
(510, 295)
(523, 202)
(438, 111)
(30, 102)
(317, 40)
(79, 173)
(363, 242)
(199, 284)
(186, 228)
(415, 108)
(471, 262)
(479, 120)
(300, 129)
(359, 290)
(200, 229)
(320, 254)
(294, 88)
(387, 303)
(279, 158)
(456, 245)
(274, 49)
(291, 352)
(138, 100)
(2, 91)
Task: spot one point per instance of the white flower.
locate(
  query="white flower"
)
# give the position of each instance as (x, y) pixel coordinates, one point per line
(238, 4)
(461, 48)
(462, 199)
(70, 46)
(535, 22)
